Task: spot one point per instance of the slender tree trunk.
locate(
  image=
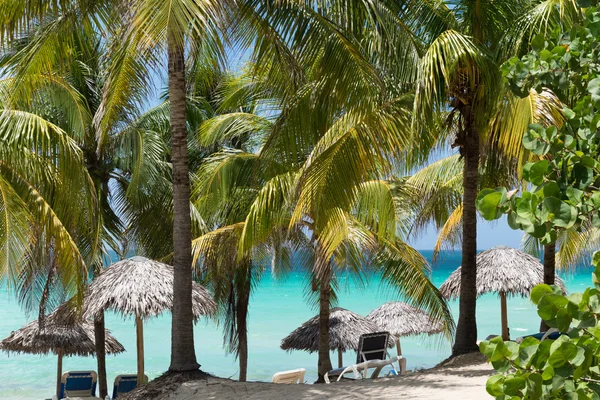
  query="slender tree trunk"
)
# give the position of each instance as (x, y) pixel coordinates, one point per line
(242, 321)
(100, 339)
(549, 272)
(243, 355)
(466, 329)
(183, 354)
(59, 368)
(324, 364)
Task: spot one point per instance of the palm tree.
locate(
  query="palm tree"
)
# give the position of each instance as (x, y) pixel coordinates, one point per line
(460, 74)
(214, 103)
(139, 34)
(116, 163)
(272, 199)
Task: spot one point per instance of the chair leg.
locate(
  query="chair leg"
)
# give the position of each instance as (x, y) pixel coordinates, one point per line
(376, 372)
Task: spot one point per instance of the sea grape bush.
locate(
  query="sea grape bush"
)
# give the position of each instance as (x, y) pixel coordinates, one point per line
(565, 180)
(566, 368)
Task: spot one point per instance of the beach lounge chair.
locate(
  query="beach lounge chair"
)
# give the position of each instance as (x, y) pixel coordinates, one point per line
(550, 334)
(124, 384)
(78, 384)
(372, 353)
(292, 376)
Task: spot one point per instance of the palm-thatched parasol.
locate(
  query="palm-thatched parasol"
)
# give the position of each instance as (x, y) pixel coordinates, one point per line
(401, 319)
(345, 328)
(56, 337)
(502, 270)
(143, 288)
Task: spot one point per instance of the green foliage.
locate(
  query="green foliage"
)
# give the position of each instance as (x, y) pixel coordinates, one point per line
(565, 179)
(565, 368)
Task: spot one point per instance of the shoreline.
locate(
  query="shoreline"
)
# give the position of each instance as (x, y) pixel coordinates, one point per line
(460, 378)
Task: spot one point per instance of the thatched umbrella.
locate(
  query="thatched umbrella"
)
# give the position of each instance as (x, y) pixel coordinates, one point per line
(56, 337)
(142, 288)
(345, 328)
(401, 319)
(502, 270)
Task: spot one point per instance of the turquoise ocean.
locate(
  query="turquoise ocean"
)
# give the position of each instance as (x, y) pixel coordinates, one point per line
(277, 308)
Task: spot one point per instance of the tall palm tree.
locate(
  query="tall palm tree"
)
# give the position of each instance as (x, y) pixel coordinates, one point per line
(214, 102)
(274, 194)
(140, 34)
(117, 163)
(460, 74)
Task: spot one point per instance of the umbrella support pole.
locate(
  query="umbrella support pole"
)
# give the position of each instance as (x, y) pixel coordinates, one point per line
(399, 350)
(139, 334)
(340, 360)
(504, 316)
(59, 372)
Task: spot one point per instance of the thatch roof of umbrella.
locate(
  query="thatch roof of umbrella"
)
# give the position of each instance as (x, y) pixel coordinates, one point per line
(502, 270)
(401, 319)
(54, 336)
(76, 339)
(141, 287)
(345, 328)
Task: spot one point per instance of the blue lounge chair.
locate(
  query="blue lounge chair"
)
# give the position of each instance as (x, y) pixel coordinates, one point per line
(125, 384)
(551, 334)
(78, 384)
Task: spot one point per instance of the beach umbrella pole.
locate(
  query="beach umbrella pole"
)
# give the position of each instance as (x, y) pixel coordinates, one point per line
(59, 372)
(340, 360)
(399, 350)
(504, 316)
(139, 333)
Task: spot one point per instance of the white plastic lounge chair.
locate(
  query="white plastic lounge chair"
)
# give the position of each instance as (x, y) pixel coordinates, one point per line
(125, 384)
(372, 353)
(292, 376)
(78, 384)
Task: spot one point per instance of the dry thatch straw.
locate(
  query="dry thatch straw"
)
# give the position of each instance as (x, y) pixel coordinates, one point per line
(506, 271)
(345, 328)
(75, 339)
(502, 270)
(401, 319)
(140, 287)
(54, 336)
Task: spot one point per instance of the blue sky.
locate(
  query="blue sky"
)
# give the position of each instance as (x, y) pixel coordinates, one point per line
(488, 235)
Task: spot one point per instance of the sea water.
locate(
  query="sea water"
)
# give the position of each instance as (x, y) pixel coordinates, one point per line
(277, 308)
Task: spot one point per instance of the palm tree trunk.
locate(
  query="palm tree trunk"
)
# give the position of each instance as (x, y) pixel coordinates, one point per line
(242, 322)
(324, 364)
(549, 272)
(183, 355)
(243, 355)
(100, 339)
(466, 329)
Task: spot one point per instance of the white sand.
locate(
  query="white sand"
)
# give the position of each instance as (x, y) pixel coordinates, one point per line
(461, 380)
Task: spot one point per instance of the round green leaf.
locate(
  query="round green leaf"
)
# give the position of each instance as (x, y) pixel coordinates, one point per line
(535, 172)
(490, 203)
(561, 214)
(539, 291)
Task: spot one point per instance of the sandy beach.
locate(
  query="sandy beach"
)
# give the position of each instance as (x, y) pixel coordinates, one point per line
(463, 378)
